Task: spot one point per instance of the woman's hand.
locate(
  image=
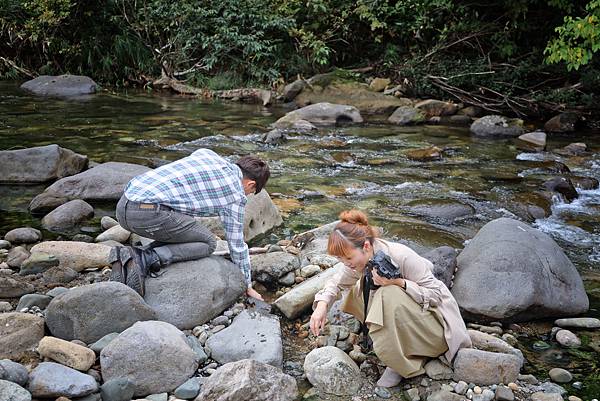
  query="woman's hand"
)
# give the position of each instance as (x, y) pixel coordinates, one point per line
(251, 292)
(318, 318)
(382, 281)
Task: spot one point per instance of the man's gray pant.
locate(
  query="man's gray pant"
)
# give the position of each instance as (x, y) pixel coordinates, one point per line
(177, 236)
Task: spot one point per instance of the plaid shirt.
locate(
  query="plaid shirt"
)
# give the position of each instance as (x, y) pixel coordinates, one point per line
(202, 184)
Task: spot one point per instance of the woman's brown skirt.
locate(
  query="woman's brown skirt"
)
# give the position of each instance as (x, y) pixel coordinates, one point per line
(404, 335)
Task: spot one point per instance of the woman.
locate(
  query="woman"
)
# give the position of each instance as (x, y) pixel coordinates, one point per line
(410, 319)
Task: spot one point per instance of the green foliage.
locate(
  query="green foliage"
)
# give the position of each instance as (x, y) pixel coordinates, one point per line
(578, 38)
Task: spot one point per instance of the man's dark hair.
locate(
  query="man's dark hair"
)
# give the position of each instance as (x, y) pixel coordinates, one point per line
(254, 169)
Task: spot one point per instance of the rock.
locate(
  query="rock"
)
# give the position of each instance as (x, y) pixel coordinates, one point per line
(301, 297)
(99, 345)
(310, 270)
(248, 380)
(407, 115)
(50, 379)
(195, 345)
(23, 235)
(56, 291)
(252, 335)
(104, 182)
(497, 126)
(579, 323)
(288, 280)
(379, 84)
(5, 307)
(107, 222)
(61, 85)
(568, 339)
(541, 396)
(331, 371)
(485, 368)
(436, 108)
(321, 114)
(59, 275)
(67, 216)
(441, 209)
(213, 282)
(487, 342)
(537, 138)
(13, 287)
(31, 300)
(133, 355)
(549, 387)
(38, 262)
(461, 387)
(39, 164)
(444, 395)
(444, 263)
(585, 183)
(460, 120)
(559, 375)
(76, 255)
(187, 390)
(436, 370)
(17, 256)
(114, 306)
(293, 89)
(120, 389)
(573, 149)
(115, 233)
(564, 122)
(5, 244)
(157, 397)
(67, 353)
(425, 154)
(504, 393)
(13, 372)
(268, 267)
(10, 391)
(512, 271)
(562, 186)
(261, 215)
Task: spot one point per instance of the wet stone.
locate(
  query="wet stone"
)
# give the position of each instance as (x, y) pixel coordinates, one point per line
(382, 392)
(560, 375)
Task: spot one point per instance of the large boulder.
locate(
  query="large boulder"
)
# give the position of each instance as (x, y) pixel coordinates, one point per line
(20, 333)
(68, 215)
(191, 293)
(511, 271)
(23, 235)
(332, 371)
(269, 267)
(52, 380)
(13, 372)
(61, 85)
(249, 380)
(321, 114)
(485, 368)
(106, 181)
(76, 255)
(261, 215)
(497, 126)
(39, 164)
(251, 335)
(153, 355)
(300, 298)
(90, 312)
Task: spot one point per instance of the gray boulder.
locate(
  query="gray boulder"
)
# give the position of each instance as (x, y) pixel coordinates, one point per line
(269, 267)
(38, 262)
(407, 115)
(497, 126)
(292, 90)
(19, 334)
(321, 114)
(10, 391)
(76, 255)
(89, 312)
(99, 345)
(485, 368)
(487, 342)
(249, 380)
(106, 181)
(153, 355)
(59, 275)
(31, 300)
(16, 256)
(61, 85)
(13, 372)
(191, 293)
(39, 164)
(23, 235)
(14, 287)
(331, 371)
(444, 263)
(68, 215)
(51, 380)
(251, 335)
(511, 271)
(121, 389)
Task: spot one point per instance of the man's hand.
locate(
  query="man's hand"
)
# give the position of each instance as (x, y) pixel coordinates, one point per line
(251, 292)
(382, 281)
(318, 318)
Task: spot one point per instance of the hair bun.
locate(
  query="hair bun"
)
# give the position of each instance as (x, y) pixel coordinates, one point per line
(354, 217)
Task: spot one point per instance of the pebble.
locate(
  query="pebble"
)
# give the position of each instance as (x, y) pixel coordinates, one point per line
(531, 379)
(203, 337)
(188, 390)
(577, 385)
(5, 307)
(488, 395)
(541, 396)
(504, 393)
(513, 386)
(540, 345)
(218, 328)
(491, 330)
(210, 371)
(4, 244)
(477, 390)
(220, 321)
(461, 387)
(559, 375)
(469, 393)
(120, 389)
(198, 330)
(579, 322)
(413, 394)
(212, 365)
(157, 397)
(382, 392)
(567, 339)
(574, 398)
(228, 313)
(310, 270)
(425, 383)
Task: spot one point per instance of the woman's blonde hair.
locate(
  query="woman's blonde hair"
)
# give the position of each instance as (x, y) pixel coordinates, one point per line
(351, 232)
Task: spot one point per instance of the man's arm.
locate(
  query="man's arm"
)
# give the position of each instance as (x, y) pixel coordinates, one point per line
(233, 221)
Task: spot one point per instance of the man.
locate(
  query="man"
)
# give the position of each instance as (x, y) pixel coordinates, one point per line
(160, 204)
